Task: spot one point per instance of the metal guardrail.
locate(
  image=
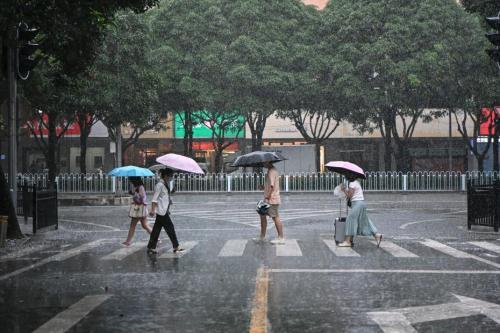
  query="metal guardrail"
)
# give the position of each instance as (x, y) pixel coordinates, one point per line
(250, 182)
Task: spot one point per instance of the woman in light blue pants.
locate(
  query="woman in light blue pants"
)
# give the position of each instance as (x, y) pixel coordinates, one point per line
(358, 222)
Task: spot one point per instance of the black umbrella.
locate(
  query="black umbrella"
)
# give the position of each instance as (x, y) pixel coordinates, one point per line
(257, 159)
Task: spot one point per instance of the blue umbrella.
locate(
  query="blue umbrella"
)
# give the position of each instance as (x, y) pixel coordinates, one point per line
(130, 171)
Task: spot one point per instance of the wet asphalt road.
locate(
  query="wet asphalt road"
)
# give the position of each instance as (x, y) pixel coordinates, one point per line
(431, 274)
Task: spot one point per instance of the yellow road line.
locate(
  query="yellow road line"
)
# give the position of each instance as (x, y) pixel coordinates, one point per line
(258, 322)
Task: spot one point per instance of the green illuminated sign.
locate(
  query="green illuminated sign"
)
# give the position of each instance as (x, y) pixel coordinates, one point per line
(202, 128)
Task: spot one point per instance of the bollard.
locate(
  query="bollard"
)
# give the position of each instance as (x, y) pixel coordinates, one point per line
(3, 229)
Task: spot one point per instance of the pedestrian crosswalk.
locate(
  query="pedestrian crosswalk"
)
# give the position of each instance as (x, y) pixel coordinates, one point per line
(291, 248)
(124, 252)
(340, 251)
(250, 217)
(488, 246)
(233, 248)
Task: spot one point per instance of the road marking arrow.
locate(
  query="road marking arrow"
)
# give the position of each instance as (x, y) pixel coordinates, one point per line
(401, 320)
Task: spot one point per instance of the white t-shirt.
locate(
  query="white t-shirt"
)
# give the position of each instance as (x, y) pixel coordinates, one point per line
(162, 198)
(358, 191)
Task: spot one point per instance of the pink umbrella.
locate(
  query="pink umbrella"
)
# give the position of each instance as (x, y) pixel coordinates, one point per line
(344, 168)
(181, 163)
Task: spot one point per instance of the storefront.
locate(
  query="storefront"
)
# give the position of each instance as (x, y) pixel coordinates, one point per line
(203, 146)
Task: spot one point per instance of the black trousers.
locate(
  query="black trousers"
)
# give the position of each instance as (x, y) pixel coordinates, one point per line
(165, 222)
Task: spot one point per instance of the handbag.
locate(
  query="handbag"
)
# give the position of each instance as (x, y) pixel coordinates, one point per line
(136, 211)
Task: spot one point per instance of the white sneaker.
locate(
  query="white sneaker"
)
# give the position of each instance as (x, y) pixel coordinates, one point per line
(278, 241)
(259, 240)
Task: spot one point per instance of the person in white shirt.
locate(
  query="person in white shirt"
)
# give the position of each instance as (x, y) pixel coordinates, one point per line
(161, 207)
(357, 222)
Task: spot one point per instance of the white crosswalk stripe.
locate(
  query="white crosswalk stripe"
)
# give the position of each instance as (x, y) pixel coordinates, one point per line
(340, 251)
(188, 246)
(456, 253)
(57, 257)
(445, 249)
(23, 252)
(488, 246)
(291, 248)
(395, 250)
(63, 321)
(122, 253)
(233, 248)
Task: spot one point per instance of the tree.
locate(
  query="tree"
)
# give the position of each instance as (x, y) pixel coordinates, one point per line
(125, 80)
(483, 8)
(395, 59)
(71, 29)
(51, 110)
(225, 128)
(261, 31)
(85, 112)
(473, 113)
(71, 32)
(184, 33)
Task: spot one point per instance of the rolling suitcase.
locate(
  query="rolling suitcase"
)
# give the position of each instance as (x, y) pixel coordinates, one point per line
(339, 224)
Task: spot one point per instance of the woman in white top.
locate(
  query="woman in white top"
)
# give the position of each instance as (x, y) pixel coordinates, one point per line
(357, 222)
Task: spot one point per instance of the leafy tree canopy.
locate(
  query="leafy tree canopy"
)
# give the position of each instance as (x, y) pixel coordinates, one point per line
(70, 30)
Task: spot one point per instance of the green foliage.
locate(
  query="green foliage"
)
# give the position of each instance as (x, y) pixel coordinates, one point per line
(397, 58)
(124, 81)
(483, 8)
(70, 30)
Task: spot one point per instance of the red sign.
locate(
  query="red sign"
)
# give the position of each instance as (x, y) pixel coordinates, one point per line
(210, 146)
(487, 126)
(41, 129)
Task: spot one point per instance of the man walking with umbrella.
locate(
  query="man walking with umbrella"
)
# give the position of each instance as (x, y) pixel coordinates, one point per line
(271, 188)
(272, 197)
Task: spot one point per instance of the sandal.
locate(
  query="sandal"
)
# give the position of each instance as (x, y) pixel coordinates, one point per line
(344, 244)
(378, 239)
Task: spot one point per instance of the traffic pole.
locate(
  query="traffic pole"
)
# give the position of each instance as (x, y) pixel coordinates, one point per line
(11, 69)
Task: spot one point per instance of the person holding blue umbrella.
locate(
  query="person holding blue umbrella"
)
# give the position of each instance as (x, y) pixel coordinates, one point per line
(138, 209)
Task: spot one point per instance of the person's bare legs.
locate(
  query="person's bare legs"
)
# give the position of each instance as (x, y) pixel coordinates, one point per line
(131, 231)
(263, 226)
(145, 225)
(279, 226)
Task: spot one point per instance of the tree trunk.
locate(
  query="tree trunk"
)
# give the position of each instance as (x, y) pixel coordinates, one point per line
(218, 159)
(257, 140)
(83, 151)
(388, 148)
(480, 163)
(317, 151)
(52, 146)
(188, 134)
(403, 158)
(7, 208)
